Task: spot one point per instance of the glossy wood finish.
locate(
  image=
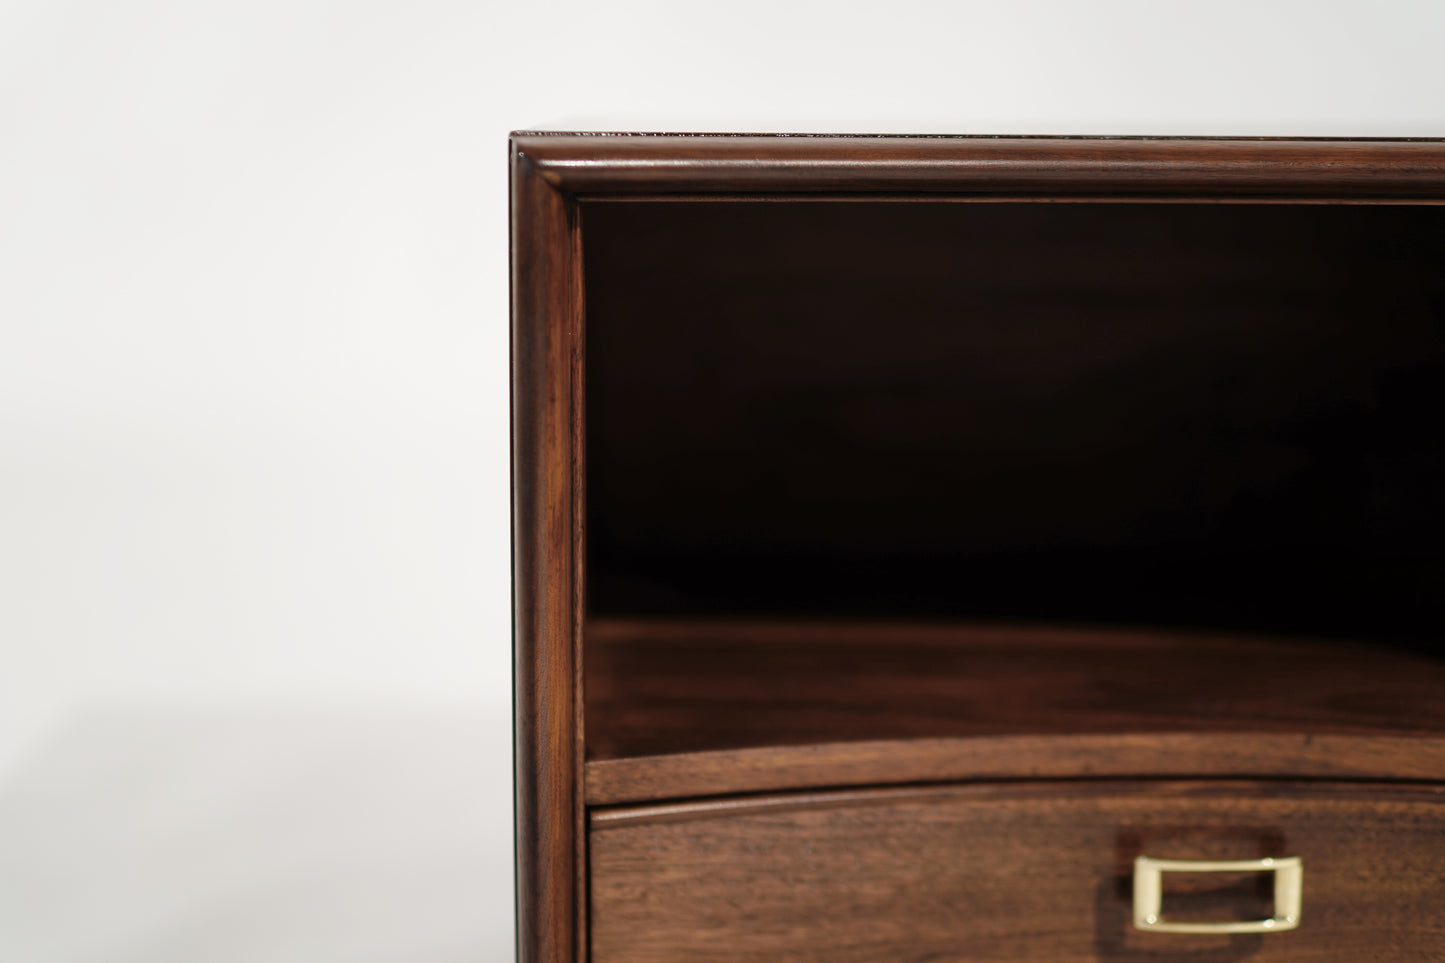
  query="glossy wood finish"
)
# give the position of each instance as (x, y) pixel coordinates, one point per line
(1010, 873)
(1122, 755)
(1019, 166)
(556, 181)
(546, 489)
(682, 709)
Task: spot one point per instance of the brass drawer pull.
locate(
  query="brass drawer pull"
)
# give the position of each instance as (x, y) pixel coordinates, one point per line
(1149, 893)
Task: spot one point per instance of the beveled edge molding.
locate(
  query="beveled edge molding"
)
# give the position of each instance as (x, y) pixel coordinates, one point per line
(546, 346)
(1092, 756)
(628, 815)
(1060, 167)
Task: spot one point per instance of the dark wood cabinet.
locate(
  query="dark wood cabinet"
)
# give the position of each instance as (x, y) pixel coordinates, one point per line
(910, 533)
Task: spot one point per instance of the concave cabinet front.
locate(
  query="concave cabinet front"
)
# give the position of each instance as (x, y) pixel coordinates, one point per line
(968, 548)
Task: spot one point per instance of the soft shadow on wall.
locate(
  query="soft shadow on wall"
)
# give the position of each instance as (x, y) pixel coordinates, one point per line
(154, 834)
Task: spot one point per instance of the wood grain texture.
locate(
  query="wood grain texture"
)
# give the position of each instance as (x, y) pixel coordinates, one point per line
(1017, 757)
(680, 709)
(984, 874)
(1059, 167)
(722, 717)
(546, 345)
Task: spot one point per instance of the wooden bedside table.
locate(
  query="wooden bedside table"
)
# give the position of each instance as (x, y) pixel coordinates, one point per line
(970, 548)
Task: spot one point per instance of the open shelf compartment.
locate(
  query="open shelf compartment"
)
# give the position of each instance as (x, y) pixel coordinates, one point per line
(888, 491)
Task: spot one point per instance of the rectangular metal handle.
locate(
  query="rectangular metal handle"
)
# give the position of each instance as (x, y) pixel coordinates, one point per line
(1149, 893)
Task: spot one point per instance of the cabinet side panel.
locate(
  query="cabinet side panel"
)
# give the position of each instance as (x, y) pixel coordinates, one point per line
(546, 311)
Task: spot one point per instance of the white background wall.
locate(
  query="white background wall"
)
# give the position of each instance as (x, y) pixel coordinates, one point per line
(254, 694)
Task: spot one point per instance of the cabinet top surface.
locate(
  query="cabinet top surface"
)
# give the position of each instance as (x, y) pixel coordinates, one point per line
(1321, 169)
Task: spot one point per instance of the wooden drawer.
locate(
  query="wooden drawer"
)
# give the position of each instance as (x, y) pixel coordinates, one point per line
(1007, 873)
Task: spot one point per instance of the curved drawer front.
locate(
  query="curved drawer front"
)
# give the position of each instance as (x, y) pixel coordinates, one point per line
(1007, 873)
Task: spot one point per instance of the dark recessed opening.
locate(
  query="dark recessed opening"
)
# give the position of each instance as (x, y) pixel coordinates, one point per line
(1225, 416)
